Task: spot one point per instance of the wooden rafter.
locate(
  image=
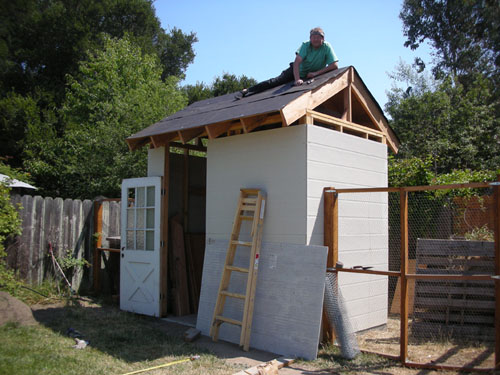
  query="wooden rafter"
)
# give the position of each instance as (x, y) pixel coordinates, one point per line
(162, 139)
(361, 93)
(188, 134)
(310, 100)
(216, 130)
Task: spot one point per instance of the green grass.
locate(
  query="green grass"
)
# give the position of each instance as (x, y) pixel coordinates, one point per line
(119, 343)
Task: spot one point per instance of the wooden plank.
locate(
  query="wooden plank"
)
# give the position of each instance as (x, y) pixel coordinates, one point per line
(403, 199)
(136, 143)
(330, 239)
(455, 248)
(346, 125)
(496, 209)
(347, 112)
(459, 290)
(373, 111)
(163, 140)
(472, 304)
(164, 240)
(254, 266)
(96, 258)
(328, 90)
(180, 287)
(36, 276)
(454, 318)
(479, 264)
(188, 134)
(215, 130)
(295, 109)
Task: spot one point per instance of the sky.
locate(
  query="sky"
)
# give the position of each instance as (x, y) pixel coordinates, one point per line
(259, 38)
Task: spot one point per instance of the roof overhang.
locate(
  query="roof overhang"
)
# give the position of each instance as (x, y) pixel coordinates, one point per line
(284, 104)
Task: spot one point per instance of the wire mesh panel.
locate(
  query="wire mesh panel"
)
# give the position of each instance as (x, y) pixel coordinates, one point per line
(451, 234)
(445, 240)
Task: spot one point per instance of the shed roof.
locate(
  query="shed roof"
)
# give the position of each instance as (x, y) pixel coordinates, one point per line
(286, 104)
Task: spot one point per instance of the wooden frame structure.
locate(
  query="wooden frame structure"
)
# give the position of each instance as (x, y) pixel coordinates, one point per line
(342, 93)
(331, 233)
(98, 249)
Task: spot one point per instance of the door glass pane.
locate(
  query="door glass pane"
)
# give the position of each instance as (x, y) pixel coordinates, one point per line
(150, 218)
(130, 240)
(140, 218)
(131, 197)
(139, 240)
(150, 201)
(150, 238)
(141, 191)
(130, 218)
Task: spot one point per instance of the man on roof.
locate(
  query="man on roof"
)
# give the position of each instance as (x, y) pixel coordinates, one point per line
(313, 58)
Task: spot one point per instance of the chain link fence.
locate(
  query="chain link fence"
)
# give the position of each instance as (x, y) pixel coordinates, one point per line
(416, 267)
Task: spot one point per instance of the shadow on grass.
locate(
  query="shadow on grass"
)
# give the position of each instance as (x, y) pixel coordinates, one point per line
(126, 336)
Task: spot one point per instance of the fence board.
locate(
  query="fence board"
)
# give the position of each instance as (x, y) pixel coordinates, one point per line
(66, 224)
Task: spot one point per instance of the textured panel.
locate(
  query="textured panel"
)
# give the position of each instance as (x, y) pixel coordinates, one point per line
(288, 299)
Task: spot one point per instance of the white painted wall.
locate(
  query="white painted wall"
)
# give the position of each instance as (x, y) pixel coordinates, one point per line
(293, 165)
(272, 160)
(344, 161)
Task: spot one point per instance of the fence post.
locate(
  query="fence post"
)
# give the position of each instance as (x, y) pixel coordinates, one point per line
(403, 198)
(331, 240)
(496, 210)
(96, 260)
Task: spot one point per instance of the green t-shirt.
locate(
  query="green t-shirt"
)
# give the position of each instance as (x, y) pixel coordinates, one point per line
(315, 59)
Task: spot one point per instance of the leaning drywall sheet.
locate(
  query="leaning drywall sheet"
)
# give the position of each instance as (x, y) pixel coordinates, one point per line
(288, 298)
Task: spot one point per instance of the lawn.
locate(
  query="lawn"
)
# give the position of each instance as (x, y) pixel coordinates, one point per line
(120, 342)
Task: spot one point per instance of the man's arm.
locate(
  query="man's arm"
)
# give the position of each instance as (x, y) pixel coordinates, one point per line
(296, 73)
(328, 68)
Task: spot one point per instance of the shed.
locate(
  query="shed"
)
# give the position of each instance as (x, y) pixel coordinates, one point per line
(291, 142)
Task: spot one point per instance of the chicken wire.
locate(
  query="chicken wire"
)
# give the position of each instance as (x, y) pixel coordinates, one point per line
(450, 232)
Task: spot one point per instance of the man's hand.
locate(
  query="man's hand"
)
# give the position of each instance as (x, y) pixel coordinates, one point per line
(311, 75)
(299, 82)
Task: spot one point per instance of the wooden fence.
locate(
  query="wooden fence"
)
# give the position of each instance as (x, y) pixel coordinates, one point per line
(63, 224)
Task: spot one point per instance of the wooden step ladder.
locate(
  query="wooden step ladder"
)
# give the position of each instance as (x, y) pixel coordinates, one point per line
(251, 207)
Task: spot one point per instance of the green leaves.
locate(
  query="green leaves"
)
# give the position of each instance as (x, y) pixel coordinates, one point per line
(117, 92)
(458, 127)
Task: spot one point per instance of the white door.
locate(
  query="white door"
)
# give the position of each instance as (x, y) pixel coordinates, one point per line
(140, 246)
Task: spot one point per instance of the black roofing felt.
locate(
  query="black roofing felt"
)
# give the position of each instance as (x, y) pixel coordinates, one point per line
(227, 107)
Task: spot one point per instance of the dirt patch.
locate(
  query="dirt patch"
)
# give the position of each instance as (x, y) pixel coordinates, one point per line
(433, 351)
(13, 310)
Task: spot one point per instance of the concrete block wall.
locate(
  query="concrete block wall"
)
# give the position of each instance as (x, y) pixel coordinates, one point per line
(288, 298)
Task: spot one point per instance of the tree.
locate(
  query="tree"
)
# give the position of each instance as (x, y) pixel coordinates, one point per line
(42, 41)
(117, 92)
(227, 84)
(465, 35)
(458, 128)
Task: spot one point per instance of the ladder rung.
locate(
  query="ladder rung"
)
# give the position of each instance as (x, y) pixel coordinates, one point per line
(242, 243)
(238, 269)
(246, 207)
(249, 200)
(228, 320)
(243, 217)
(234, 295)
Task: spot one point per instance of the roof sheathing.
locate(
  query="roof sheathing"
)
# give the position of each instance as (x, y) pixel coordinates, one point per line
(223, 111)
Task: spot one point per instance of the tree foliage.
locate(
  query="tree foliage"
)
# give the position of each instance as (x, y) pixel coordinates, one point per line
(43, 41)
(117, 92)
(227, 84)
(465, 35)
(457, 127)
